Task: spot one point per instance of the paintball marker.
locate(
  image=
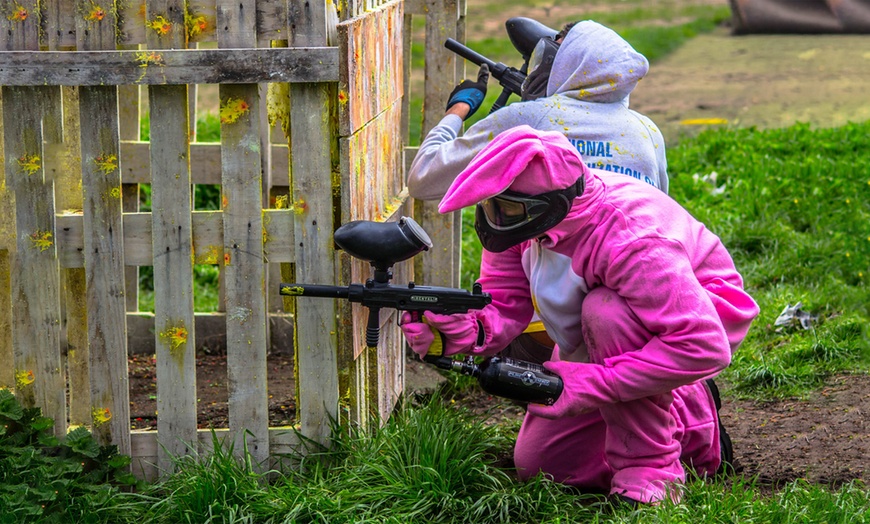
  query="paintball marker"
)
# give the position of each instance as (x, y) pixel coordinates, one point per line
(524, 34)
(383, 244)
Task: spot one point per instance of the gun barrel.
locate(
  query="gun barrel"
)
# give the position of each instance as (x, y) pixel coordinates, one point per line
(473, 56)
(313, 290)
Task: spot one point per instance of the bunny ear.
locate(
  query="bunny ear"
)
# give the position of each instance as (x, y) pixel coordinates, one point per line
(521, 159)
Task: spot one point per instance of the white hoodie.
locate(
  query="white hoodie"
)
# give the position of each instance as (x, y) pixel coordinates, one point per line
(593, 74)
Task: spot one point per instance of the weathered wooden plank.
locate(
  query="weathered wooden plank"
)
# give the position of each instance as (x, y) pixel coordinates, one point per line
(7, 247)
(439, 267)
(104, 234)
(172, 243)
(19, 25)
(7, 370)
(128, 129)
(371, 165)
(407, 31)
(370, 66)
(271, 21)
(312, 193)
(244, 269)
(63, 165)
(211, 335)
(307, 21)
(415, 7)
(35, 283)
(278, 238)
(59, 20)
(205, 163)
(169, 67)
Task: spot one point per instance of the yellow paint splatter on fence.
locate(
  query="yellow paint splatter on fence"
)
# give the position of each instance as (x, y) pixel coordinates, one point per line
(101, 415)
(160, 25)
(23, 378)
(97, 14)
(704, 122)
(42, 240)
(195, 25)
(176, 336)
(29, 163)
(106, 163)
(232, 109)
(146, 59)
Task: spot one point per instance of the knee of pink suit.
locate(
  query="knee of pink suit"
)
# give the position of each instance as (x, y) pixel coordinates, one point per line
(635, 448)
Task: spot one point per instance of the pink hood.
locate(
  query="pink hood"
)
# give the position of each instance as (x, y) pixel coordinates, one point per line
(521, 159)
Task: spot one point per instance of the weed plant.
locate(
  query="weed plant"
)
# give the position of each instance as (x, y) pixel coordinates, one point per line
(45, 479)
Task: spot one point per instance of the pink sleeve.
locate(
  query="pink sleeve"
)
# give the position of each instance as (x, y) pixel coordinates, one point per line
(502, 275)
(657, 280)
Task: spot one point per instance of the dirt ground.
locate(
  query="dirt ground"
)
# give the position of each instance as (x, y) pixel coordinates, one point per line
(824, 439)
(763, 81)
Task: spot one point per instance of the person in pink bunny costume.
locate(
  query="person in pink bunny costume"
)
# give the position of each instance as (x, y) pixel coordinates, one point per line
(643, 301)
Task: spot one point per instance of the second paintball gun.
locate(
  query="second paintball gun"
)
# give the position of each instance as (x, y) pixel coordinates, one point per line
(384, 244)
(524, 34)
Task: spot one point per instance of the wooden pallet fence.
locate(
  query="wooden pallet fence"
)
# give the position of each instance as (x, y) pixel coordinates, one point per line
(70, 228)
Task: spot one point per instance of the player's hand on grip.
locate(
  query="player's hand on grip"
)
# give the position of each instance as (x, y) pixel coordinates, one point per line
(471, 92)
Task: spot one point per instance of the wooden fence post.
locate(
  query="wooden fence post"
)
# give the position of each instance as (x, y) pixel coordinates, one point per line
(244, 266)
(172, 244)
(35, 282)
(104, 249)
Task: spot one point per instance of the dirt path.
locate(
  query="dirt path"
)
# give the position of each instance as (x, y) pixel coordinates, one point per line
(760, 80)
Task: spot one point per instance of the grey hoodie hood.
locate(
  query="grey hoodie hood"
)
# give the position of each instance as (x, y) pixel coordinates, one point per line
(596, 65)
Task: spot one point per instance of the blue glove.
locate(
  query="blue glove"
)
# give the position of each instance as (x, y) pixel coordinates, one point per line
(471, 92)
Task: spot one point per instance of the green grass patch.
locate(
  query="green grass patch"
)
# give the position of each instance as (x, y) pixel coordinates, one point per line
(793, 207)
(435, 463)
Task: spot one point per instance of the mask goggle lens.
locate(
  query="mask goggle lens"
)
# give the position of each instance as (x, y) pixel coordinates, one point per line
(506, 212)
(545, 50)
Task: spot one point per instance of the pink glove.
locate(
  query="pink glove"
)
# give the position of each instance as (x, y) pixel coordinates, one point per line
(445, 335)
(584, 389)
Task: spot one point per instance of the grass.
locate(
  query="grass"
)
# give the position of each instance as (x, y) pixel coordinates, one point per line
(434, 463)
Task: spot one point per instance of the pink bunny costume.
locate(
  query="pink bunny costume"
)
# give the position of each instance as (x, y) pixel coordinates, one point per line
(643, 301)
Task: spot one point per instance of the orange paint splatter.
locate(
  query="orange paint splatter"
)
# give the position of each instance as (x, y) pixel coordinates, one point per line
(195, 25)
(19, 14)
(177, 336)
(96, 14)
(160, 25)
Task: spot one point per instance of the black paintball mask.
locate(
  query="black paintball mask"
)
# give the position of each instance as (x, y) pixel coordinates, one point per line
(510, 218)
(540, 65)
